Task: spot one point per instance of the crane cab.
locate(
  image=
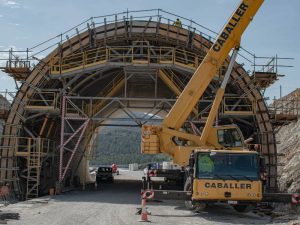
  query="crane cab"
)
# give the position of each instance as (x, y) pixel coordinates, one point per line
(226, 137)
(227, 176)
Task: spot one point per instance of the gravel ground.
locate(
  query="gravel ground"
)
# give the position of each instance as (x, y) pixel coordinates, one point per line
(116, 204)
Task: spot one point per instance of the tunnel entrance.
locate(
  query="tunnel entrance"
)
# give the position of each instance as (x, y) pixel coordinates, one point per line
(126, 65)
(118, 142)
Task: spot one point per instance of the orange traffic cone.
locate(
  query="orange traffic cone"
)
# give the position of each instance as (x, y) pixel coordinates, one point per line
(144, 214)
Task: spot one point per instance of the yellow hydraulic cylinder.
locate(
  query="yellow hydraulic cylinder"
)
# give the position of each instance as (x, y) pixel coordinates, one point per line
(218, 99)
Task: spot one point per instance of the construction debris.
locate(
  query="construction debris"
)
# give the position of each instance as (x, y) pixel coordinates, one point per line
(288, 149)
(4, 216)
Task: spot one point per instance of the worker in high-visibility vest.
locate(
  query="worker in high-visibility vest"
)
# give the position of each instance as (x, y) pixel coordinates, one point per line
(206, 164)
(177, 23)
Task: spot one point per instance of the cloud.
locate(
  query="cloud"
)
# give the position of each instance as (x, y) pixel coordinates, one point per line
(14, 24)
(3, 55)
(10, 3)
(22, 37)
(4, 77)
(1, 15)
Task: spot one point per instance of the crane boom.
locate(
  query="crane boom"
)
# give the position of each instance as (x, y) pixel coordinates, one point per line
(167, 137)
(229, 38)
(218, 166)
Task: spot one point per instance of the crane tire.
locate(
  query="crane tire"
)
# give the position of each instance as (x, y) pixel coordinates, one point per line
(189, 204)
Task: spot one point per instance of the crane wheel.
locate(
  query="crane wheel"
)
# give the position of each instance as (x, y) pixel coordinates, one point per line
(197, 207)
(242, 208)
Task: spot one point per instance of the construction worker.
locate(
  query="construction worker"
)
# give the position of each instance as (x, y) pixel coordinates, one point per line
(4, 194)
(206, 164)
(177, 23)
(114, 168)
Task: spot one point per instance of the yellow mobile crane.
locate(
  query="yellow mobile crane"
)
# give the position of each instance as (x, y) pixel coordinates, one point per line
(221, 168)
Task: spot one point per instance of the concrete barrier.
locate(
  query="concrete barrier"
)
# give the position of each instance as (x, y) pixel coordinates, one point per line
(133, 167)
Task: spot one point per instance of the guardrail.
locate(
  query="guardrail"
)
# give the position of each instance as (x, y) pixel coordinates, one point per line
(238, 106)
(285, 108)
(37, 52)
(25, 145)
(124, 54)
(42, 100)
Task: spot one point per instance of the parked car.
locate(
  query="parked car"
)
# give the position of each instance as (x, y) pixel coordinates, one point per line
(104, 173)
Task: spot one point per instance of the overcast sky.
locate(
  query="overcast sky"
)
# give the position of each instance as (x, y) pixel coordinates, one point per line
(274, 30)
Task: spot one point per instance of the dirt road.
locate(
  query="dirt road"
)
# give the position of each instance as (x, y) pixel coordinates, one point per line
(116, 204)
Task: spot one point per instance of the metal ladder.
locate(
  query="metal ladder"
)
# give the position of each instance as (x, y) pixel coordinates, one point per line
(33, 174)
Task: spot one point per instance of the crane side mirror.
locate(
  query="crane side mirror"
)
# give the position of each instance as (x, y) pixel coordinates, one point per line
(191, 162)
(262, 164)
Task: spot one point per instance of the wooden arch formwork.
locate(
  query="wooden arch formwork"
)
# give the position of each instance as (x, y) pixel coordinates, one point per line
(43, 123)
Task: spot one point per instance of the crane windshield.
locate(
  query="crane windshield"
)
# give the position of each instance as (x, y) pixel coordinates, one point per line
(229, 138)
(232, 166)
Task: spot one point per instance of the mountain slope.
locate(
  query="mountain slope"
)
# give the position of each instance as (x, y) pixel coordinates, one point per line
(121, 145)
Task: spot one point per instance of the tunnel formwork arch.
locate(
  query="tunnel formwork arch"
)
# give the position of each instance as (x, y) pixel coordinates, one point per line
(140, 80)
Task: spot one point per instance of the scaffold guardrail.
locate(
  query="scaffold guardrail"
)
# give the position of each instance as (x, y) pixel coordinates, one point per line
(25, 145)
(42, 100)
(37, 52)
(285, 109)
(125, 54)
(238, 106)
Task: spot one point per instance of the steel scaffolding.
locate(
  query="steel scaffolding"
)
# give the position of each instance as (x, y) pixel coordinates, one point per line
(119, 53)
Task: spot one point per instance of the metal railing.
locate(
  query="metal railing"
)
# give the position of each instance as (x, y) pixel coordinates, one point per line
(285, 107)
(26, 145)
(42, 99)
(175, 80)
(124, 54)
(151, 15)
(15, 59)
(238, 106)
(269, 64)
(111, 85)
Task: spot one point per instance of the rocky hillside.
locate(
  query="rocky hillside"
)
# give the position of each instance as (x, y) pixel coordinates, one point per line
(121, 145)
(289, 146)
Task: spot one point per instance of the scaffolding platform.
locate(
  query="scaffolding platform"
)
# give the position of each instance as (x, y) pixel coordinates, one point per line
(265, 70)
(279, 118)
(238, 106)
(18, 64)
(48, 109)
(18, 73)
(99, 57)
(285, 110)
(43, 101)
(264, 80)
